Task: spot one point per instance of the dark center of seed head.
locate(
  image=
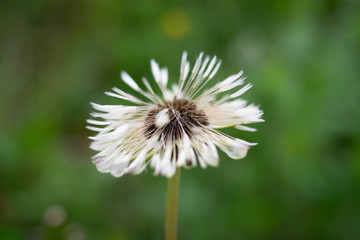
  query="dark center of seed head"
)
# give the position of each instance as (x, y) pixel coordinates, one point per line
(182, 115)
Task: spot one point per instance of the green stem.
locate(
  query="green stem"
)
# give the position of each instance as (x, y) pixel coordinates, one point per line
(172, 206)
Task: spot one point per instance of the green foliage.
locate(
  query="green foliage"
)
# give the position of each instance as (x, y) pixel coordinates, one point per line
(301, 182)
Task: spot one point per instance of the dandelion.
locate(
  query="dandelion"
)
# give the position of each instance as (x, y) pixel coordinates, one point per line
(175, 129)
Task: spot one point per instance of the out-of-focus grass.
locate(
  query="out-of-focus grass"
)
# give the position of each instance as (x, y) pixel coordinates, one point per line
(301, 182)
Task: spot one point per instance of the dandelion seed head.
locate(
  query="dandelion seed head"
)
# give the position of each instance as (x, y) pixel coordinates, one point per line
(175, 129)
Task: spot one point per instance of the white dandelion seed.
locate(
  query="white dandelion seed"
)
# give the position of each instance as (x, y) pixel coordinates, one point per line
(177, 129)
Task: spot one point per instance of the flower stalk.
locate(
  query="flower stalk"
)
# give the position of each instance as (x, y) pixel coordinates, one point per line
(172, 200)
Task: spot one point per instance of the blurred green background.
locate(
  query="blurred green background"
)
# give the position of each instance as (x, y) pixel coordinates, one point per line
(301, 182)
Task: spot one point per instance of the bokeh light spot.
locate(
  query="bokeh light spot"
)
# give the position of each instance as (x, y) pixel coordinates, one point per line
(175, 23)
(55, 216)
